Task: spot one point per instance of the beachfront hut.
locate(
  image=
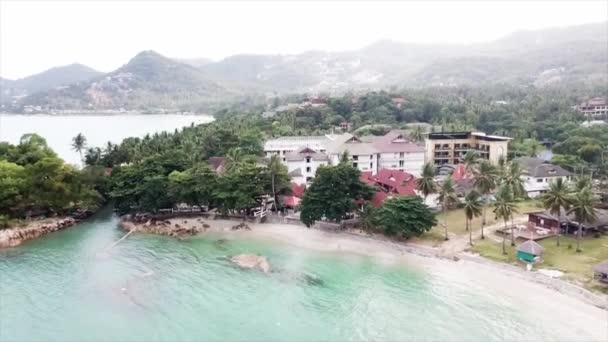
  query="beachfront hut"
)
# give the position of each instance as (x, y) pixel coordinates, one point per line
(601, 271)
(529, 251)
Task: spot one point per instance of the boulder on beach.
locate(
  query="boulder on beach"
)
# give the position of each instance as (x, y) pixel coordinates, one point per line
(251, 261)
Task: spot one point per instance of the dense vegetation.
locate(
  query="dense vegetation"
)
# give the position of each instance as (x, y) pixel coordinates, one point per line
(33, 180)
(167, 169)
(530, 115)
(334, 193)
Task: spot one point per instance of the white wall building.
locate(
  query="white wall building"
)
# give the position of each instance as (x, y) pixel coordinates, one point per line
(362, 154)
(538, 174)
(396, 152)
(303, 163)
(284, 145)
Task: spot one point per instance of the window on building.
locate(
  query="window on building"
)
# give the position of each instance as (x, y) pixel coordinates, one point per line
(308, 169)
(401, 163)
(371, 165)
(308, 179)
(401, 155)
(437, 146)
(308, 159)
(371, 157)
(539, 180)
(355, 157)
(355, 165)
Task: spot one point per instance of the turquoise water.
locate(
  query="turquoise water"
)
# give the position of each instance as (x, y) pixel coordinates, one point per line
(153, 288)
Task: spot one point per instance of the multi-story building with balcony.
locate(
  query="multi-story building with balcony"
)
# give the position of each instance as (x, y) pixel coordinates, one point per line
(594, 109)
(450, 147)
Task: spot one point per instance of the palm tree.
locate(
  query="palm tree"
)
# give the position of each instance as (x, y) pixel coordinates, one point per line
(447, 197)
(274, 167)
(417, 134)
(470, 161)
(472, 209)
(512, 179)
(504, 207)
(583, 204)
(556, 199)
(234, 158)
(426, 183)
(79, 142)
(581, 183)
(485, 179)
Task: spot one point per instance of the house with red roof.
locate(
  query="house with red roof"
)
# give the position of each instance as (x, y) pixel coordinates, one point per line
(389, 183)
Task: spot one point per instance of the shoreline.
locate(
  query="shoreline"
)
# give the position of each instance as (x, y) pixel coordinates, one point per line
(12, 237)
(359, 244)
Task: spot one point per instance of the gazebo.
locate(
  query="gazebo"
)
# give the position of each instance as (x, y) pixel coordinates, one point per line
(600, 271)
(530, 251)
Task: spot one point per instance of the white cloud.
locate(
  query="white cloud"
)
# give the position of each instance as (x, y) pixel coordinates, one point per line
(35, 36)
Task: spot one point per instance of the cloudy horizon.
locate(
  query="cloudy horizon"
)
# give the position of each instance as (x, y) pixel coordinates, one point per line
(36, 36)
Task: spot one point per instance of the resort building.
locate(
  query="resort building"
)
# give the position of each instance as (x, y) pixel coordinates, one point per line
(303, 155)
(303, 163)
(538, 174)
(596, 108)
(362, 154)
(283, 145)
(396, 152)
(450, 147)
(552, 224)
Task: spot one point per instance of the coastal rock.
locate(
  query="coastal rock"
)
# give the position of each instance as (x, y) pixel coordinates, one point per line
(241, 226)
(251, 261)
(15, 236)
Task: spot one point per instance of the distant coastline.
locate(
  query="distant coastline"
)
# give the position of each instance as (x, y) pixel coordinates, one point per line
(103, 113)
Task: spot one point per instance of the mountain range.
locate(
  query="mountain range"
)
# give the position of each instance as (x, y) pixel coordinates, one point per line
(541, 58)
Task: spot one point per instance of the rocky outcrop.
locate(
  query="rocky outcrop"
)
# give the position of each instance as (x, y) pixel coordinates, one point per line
(251, 261)
(241, 226)
(15, 236)
(163, 227)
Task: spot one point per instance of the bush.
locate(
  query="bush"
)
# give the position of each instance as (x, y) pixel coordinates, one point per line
(405, 217)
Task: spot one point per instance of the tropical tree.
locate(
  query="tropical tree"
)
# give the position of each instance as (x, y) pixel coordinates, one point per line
(275, 169)
(472, 208)
(485, 179)
(470, 161)
(512, 178)
(448, 198)
(417, 133)
(582, 206)
(581, 183)
(504, 207)
(405, 216)
(334, 192)
(426, 184)
(557, 198)
(234, 159)
(79, 143)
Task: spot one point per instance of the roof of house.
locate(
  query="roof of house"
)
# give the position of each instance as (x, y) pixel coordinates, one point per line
(355, 146)
(305, 152)
(601, 218)
(602, 267)
(295, 173)
(391, 182)
(531, 247)
(217, 163)
(537, 167)
(396, 141)
(596, 101)
(378, 198)
(297, 189)
(466, 135)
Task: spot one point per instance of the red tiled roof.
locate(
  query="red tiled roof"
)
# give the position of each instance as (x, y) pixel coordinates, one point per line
(379, 198)
(297, 189)
(459, 172)
(366, 177)
(291, 201)
(399, 182)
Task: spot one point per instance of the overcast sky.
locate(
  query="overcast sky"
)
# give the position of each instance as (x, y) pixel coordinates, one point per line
(35, 36)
